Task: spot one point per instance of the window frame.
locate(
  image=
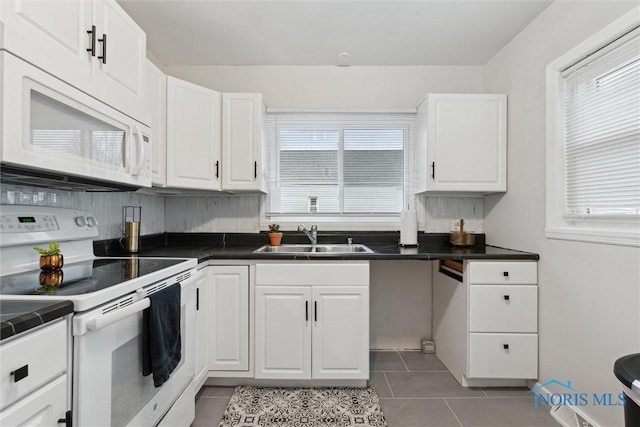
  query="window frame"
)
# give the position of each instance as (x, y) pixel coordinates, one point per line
(604, 229)
(345, 221)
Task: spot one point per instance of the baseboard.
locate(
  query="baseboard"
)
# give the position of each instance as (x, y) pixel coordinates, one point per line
(492, 382)
(284, 383)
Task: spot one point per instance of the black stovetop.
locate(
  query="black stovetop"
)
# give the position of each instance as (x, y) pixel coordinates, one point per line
(82, 277)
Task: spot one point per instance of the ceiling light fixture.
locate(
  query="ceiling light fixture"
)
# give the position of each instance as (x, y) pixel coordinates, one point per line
(343, 59)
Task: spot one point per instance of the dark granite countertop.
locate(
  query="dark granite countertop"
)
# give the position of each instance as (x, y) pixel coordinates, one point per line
(20, 316)
(209, 246)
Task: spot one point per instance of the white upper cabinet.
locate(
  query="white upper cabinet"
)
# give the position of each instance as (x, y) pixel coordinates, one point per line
(92, 45)
(462, 143)
(120, 69)
(52, 35)
(156, 103)
(242, 127)
(193, 136)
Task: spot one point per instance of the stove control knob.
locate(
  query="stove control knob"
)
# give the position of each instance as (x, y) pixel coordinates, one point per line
(92, 221)
(81, 221)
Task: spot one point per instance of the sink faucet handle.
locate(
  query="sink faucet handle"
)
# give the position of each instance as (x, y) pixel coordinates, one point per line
(301, 227)
(349, 241)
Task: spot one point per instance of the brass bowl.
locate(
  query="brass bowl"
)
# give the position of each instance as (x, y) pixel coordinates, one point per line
(458, 238)
(51, 262)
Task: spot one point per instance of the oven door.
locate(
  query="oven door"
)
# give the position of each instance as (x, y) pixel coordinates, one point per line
(108, 386)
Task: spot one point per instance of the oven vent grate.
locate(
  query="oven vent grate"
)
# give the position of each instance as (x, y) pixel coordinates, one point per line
(183, 277)
(155, 288)
(118, 305)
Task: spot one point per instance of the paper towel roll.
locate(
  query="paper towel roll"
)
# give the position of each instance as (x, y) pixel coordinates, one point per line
(409, 228)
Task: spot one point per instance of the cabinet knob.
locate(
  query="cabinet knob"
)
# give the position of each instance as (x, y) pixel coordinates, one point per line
(505, 346)
(507, 297)
(505, 273)
(20, 373)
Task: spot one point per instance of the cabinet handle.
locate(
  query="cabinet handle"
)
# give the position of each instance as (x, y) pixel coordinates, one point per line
(507, 297)
(103, 40)
(92, 49)
(433, 170)
(255, 169)
(66, 420)
(505, 273)
(217, 168)
(315, 311)
(20, 373)
(306, 311)
(505, 346)
(197, 299)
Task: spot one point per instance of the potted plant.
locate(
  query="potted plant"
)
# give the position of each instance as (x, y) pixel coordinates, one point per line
(275, 236)
(50, 258)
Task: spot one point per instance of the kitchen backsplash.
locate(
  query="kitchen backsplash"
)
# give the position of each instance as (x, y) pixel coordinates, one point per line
(228, 213)
(232, 214)
(107, 207)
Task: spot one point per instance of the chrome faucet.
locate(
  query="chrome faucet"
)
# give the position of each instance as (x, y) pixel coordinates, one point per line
(313, 235)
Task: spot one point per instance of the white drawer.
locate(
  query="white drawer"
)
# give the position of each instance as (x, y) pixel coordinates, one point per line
(503, 308)
(488, 357)
(43, 351)
(502, 273)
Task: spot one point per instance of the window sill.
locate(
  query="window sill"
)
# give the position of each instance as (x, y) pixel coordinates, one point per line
(629, 237)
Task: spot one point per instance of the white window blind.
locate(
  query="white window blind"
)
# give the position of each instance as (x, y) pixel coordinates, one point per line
(602, 131)
(339, 163)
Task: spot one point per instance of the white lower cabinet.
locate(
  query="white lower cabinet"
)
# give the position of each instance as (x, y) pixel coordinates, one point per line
(312, 321)
(228, 308)
(202, 328)
(283, 333)
(34, 388)
(47, 406)
(486, 324)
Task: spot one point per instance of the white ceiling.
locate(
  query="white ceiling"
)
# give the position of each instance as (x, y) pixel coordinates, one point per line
(313, 32)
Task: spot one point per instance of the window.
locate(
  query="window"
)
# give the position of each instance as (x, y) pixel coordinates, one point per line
(339, 165)
(593, 143)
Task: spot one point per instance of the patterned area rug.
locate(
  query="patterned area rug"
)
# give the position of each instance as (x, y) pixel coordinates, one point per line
(303, 407)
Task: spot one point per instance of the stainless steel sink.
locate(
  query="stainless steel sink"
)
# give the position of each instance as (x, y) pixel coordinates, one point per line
(310, 250)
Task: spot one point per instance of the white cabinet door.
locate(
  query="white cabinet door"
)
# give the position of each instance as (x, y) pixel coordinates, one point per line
(43, 407)
(51, 35)
(229, 318)
(242, 123)
(120, 69)
(156, 104)
(465, 137)
(202, 329)
(193, 136)
(340, 333)
(283, 332)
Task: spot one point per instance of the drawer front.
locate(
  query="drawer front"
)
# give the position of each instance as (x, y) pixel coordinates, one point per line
(314, 273)
(503, 308)
(488, 357)
(502, 273)
(43, 352)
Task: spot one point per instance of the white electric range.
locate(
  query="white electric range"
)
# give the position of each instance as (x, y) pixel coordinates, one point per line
(109, 296)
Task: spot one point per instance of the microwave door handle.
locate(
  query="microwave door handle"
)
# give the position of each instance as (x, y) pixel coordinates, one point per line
(108, 319)
(140, 155)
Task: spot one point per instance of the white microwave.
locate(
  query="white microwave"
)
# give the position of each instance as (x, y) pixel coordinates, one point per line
(50, 128)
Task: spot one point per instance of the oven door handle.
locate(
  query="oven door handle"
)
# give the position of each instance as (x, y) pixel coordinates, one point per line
(108, 319)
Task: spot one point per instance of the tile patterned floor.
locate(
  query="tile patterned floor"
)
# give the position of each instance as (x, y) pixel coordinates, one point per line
(416, 390)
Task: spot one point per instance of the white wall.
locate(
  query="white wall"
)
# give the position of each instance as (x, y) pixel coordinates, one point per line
(293, 87)
(589, 293)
